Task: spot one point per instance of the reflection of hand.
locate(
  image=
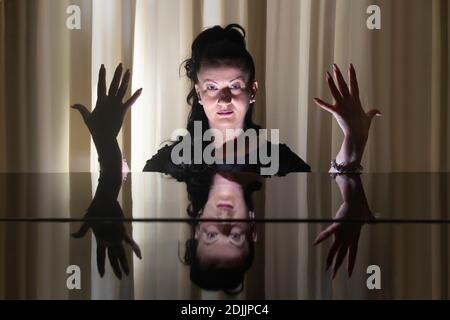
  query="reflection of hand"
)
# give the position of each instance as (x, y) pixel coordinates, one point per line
(109, 237)
(346, 234)
(347, 110)
(107, 118)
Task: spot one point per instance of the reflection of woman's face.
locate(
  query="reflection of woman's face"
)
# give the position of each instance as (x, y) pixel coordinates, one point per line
(224, 242)
(225, 98)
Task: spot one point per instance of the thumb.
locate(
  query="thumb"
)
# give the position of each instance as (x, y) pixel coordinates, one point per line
(85, 113)
(82, 231)
(374, 112)
(133, 244)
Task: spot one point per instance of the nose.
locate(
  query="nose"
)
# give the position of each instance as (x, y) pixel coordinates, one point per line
(224, 213)
(225, 228)
(225, 95)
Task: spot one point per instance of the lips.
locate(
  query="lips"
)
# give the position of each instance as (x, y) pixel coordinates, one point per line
(223, 205)
(225, 112)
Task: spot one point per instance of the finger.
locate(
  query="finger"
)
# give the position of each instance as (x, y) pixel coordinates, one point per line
(353, 250)
(354, 89)
(123, 259)
(101, 257)
(101, 86)
(133, 244)
(374, 112)
(115, 81)
(334, 90)
(320, 237)
(373, 217)
(85, 113)
(340, 81)
(124, 85)
(82, 231)
(326, 106)
(114, 262)
(334, 248)
(132, 99)
(326, 233)
(340, 258)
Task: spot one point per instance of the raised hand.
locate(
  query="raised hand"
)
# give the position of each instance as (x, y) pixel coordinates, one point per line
(349, 113)
(106, 119)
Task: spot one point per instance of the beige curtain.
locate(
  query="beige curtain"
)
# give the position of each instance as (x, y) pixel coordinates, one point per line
(402, 69)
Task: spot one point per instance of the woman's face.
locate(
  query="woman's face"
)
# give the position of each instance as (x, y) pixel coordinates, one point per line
(225, 97)
(224, 243)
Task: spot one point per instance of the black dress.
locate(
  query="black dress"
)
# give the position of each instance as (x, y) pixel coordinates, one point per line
(161, 162)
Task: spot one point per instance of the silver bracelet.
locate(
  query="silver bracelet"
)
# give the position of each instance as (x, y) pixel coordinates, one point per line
(346, 167)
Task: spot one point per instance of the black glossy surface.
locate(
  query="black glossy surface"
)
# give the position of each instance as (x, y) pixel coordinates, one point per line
(44, 230)
(413, 260)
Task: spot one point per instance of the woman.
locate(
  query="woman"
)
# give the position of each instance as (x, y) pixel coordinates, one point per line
(222, 97)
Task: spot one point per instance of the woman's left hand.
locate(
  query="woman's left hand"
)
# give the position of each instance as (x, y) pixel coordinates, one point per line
(347, 109)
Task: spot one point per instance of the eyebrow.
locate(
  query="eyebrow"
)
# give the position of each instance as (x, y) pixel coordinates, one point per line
(229, 241)
(211, 80)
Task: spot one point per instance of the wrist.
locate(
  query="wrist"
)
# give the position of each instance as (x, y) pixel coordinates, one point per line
(356, 142)
(109, 154)
(103, 138)
(352, 149)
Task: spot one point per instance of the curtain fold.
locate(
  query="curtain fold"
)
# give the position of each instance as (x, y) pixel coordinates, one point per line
(402, 69)
(2, 88)
(36, 123)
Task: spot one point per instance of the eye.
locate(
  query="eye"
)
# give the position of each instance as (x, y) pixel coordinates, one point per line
(211, 87)
(236, 86)
(236, 237)
(211, 235)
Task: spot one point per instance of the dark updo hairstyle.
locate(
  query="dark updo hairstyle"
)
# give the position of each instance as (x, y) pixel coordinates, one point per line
(218, 46)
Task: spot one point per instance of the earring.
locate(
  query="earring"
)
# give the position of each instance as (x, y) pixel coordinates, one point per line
(251, 214)
(199, 100)
(253, 100)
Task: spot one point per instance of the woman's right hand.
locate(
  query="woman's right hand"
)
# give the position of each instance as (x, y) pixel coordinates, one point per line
(105, 121)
